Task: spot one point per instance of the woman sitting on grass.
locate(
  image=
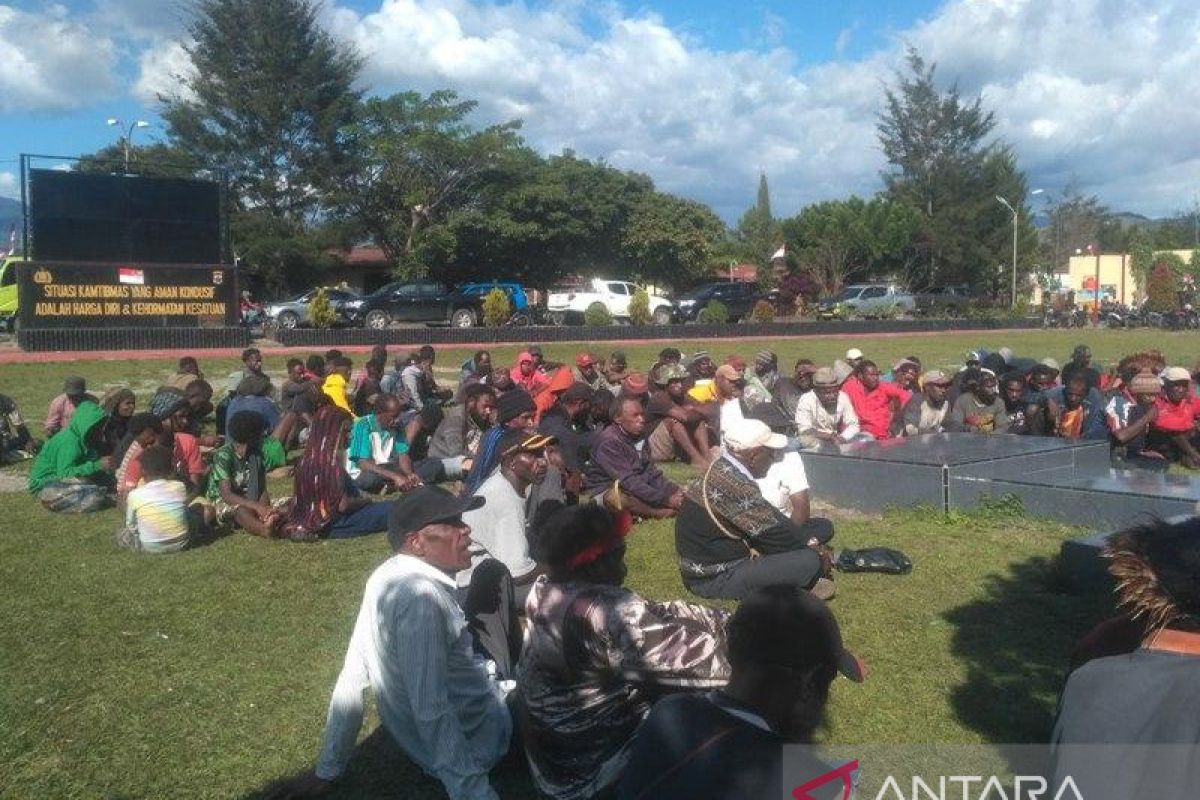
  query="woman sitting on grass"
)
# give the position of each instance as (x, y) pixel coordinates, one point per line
(598, 655)
(326, 502)
(237, 484)
(158, 518)
(119, 405)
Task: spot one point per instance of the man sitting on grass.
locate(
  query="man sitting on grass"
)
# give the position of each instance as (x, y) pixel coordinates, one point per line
(826, 415)
(69, 475)
(335, 384)
(237, 484)
(158, 518)
(680, 430)
(456, 440)
(1129, 414)
(979, 408)
(412, 647)
(926, 412)
(58, 415)
(377, 459)
(621, 474)
(1173, 433)
(188, 371)
(16, 443)
(876, 402)
(731, 541)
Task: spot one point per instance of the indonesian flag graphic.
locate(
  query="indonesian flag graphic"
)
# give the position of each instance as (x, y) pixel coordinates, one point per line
(131, 275)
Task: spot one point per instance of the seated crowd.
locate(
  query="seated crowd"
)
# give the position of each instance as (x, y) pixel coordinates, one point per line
(502, 617)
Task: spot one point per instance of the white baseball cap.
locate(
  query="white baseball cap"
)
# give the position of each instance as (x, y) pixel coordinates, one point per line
(746, 434)
(853, 353)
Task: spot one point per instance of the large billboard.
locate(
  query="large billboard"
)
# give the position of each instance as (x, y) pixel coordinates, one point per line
(81, 295)
(79, 216)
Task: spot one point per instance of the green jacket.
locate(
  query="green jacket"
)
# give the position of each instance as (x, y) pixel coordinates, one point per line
(67, 454)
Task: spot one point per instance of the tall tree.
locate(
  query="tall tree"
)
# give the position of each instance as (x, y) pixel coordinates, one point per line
(838, 241)
(671, 241)
(413, 161)
(935, 141)
(758, 232)
(1076, 220)
(266, 97)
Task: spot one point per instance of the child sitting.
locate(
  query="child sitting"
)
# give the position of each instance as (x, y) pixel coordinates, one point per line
(158, 518)
(237, 484)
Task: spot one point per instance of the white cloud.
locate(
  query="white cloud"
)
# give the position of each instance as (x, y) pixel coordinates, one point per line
(51, 62)
(8, 188)
(1097, 89)
(162, 72)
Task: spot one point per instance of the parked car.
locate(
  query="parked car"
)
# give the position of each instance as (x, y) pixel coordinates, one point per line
(403, 301)
(567, 306)
(945, 301)
(737, 296)
(465, 304)
(297, 312)
(867, 300)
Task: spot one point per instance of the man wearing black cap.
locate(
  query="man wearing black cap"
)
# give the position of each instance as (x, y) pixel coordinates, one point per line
(785, 650)
(412, 645)
(500, 529)
(514, 411)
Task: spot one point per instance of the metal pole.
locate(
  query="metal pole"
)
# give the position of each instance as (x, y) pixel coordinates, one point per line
(1097, 307)
(1014, 269)
(127, 135)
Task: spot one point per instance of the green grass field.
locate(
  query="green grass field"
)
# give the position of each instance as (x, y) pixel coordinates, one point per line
(207, 674)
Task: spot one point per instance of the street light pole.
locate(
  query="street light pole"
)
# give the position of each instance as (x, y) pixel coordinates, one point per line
(127, 138)
(1008, 205)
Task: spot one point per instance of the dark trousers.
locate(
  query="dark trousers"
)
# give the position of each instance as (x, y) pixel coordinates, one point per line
(491, 612)
(430, 470)
(800, 567)
(371, 518)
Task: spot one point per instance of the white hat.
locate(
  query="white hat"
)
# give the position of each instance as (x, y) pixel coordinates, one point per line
(1175, 374)
(746, 434)
(853, 353)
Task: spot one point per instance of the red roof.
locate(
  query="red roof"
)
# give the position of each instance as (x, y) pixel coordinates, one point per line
(362, 255)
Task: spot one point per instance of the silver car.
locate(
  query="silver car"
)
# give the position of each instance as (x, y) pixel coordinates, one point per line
(295, 313)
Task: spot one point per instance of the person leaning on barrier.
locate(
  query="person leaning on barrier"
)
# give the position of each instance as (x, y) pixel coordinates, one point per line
(731, 540)
(826, 414)
(926, 412)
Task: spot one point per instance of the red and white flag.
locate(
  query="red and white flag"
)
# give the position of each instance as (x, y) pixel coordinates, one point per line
(131, 275)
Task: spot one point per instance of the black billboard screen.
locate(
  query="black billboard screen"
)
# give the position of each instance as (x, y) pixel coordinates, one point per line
(78, 295)
(76, 216)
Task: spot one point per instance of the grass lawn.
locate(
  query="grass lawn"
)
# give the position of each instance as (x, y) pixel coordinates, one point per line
(207, 674)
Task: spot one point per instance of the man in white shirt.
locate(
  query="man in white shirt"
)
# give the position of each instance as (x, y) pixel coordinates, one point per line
(826, 414)
(499, 529)
(411, 645)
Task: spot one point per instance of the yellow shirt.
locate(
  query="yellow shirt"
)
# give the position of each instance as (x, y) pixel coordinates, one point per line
(334, 388)
(704, 391)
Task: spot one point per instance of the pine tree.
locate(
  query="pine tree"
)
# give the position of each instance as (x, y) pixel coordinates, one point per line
(758, 232)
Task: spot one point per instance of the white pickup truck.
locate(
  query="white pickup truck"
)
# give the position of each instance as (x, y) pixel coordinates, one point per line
(566, 307)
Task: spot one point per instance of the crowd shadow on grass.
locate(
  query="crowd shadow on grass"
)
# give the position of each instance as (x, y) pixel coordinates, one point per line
(1015, 643)
(380, 769)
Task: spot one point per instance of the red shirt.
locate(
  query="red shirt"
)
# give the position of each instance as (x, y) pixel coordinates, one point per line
(186, 450)
(1176, 417)
(874, 408)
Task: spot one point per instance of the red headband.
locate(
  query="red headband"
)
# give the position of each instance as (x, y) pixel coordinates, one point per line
(605, 544)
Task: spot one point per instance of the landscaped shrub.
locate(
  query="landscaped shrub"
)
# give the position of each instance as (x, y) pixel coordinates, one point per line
(639, 308)
(1162, 287)
(321, 310)
(597, 314)
(762, 312)
(714, 312)
(496, 308)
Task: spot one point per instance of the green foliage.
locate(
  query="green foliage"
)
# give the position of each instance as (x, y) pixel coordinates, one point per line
(156, 160)
(321, 310)
(1194, 264)
(670, 240)
(840, 240)
(639, 307)
(267, 94)
(412, 161)
(943, 166)
(763, 311)
(1172, 260)
(758, 233)
(597, 314)
(1076, 217)
(497, 308)
(1162, 287)
(1141, 252)
(715, 312)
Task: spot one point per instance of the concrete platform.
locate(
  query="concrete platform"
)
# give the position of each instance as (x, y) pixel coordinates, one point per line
(1105, 499)
(918, 470)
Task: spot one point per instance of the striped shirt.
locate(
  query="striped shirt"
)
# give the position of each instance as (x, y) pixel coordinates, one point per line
(158, 510)
(434, 695)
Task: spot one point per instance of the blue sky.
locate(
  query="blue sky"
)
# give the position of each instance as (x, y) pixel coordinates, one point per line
(700, 95)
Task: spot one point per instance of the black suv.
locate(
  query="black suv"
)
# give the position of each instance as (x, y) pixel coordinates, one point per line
(403, 301)
(737, 296)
